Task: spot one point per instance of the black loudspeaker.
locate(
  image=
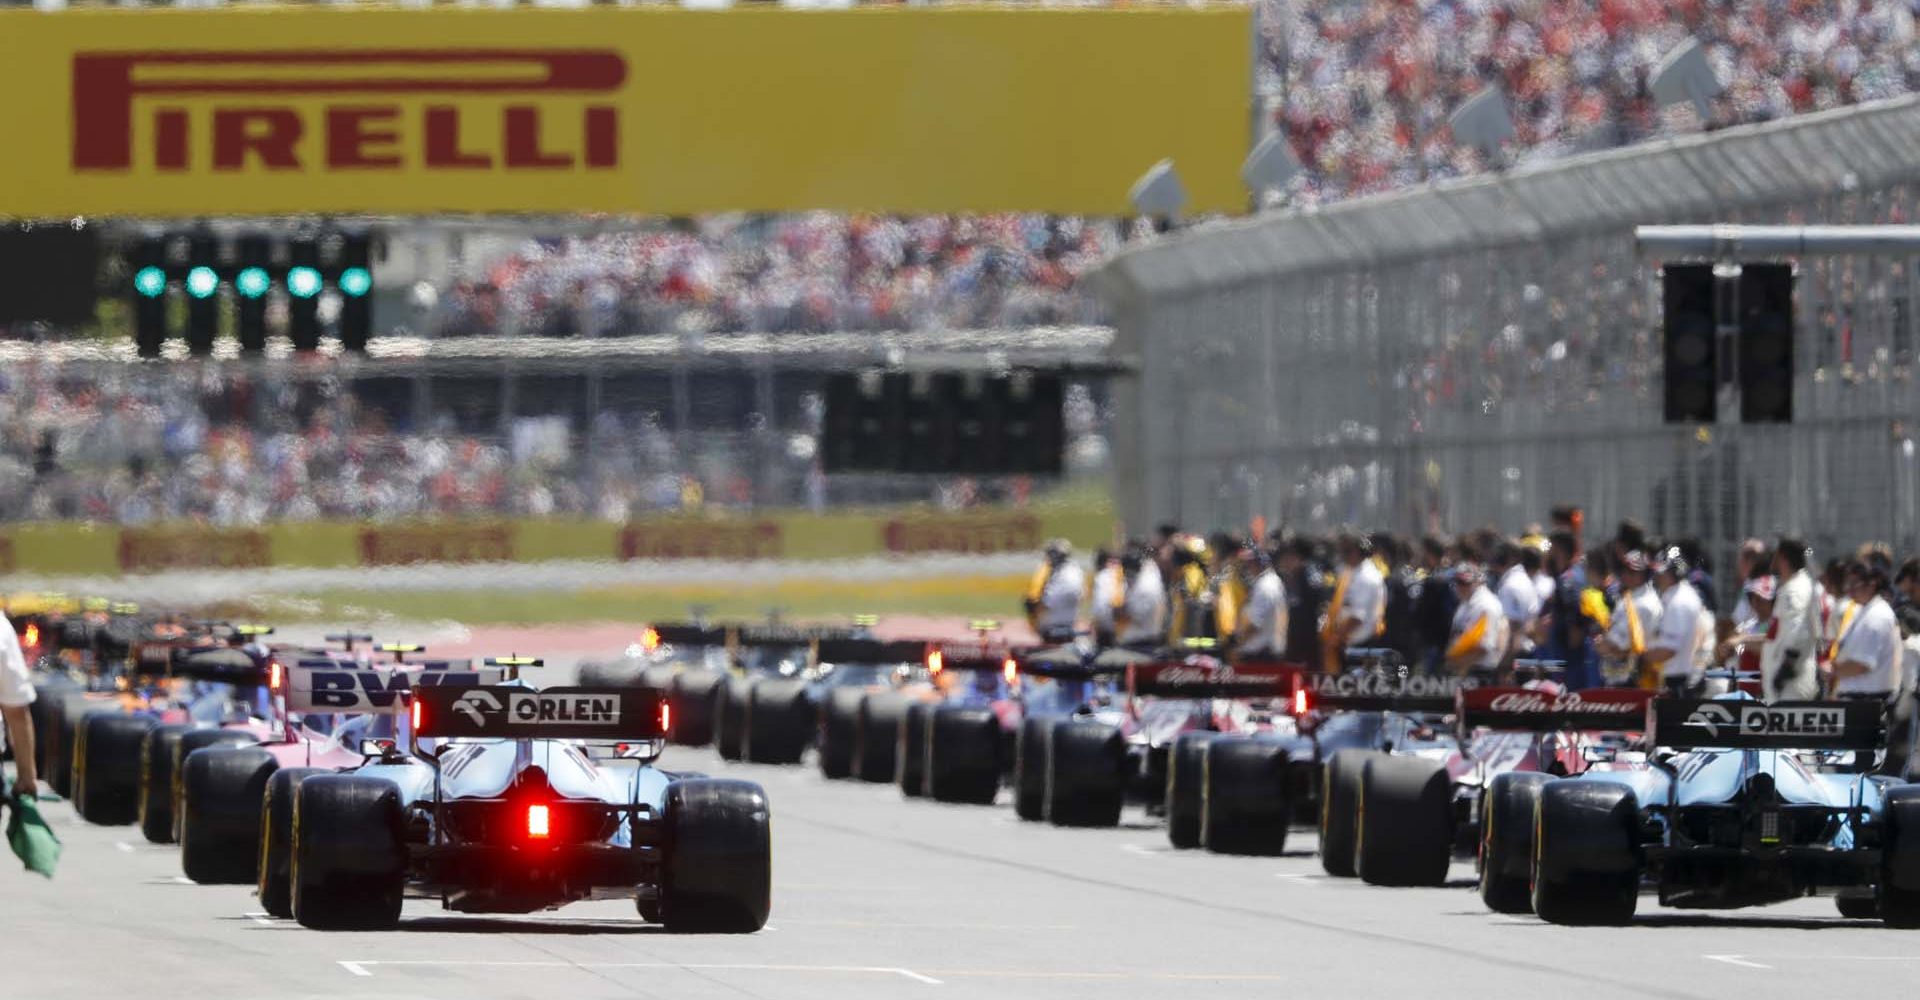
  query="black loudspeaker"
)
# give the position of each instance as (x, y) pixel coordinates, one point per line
(1766, 344)
(1688, 344)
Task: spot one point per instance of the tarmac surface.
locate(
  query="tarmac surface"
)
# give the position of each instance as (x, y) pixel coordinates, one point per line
(878, 897)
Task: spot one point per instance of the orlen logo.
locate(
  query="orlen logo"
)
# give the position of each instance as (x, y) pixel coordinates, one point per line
(251, 122)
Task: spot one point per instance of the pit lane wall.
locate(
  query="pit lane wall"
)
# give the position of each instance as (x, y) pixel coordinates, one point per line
(84, 549)
(301, 109)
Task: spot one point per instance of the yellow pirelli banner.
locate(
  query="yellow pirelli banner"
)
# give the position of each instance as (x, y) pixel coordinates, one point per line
(659, 111)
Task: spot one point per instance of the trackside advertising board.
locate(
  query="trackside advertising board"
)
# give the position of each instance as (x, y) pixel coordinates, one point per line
(298, 110)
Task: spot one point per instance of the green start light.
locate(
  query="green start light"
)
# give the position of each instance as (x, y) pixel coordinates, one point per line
(252, 282)
(355, 282)
(303, 282)
(202, 282)
(150, 282)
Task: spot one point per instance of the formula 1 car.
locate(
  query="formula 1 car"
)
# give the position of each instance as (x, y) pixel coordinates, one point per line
(1118, 748)
(320, 707)
(748, 689)
(506, 812)
(1417, 807)
(1741, 804)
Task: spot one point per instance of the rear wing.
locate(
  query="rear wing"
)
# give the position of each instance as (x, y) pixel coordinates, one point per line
(337, 687)
(859, 649)
(1528, 710)
(1380, 692)
(493, 712)
(1689, 723)
(1206, 677)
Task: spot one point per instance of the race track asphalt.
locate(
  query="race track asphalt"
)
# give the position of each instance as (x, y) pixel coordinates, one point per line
(878, 898)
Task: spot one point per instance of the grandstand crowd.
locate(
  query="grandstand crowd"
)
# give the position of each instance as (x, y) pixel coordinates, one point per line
(136, 444)
(1633, 611)
(1361, 89)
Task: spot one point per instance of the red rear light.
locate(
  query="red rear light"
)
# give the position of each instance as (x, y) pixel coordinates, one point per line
(650, 639)
(1300, 702)
(538, 822)
(273, 675)
(936, 662)
(33, 634)
(666, 718)
(417, 714)
(1010, 670)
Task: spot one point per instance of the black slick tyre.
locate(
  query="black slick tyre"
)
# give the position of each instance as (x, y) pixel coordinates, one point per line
(730, 725)
(157, 753)
(717, 868)
(222, 789)
(1340, 810)
(1086, 763)
(910, 756)
(273, 879)
(1243, 798)
(695, 704)
(1586, 867)
(1030, 768)
(1404, 836)
(349, 860)
(877, 735)
(780, 723)
(839, 718)
(963, 755)
(1185, 772)
(109, 763)
(1506, 840)
(198, 739)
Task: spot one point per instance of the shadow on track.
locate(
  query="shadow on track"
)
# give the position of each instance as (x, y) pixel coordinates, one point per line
(518, 925)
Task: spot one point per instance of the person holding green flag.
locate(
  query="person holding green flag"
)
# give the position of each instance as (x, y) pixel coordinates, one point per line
(27, 832)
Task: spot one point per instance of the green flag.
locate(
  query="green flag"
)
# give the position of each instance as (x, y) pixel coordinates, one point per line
(31, 838)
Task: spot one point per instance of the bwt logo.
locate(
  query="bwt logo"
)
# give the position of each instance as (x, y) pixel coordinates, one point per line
(367, 128)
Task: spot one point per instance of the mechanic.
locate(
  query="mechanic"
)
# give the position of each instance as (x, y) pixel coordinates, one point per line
(1569, 640)
(16, 693)
(1140, 621)
(1787, 660)
(1906, 584)
(1519, 597)
(1669, 662)
(1836, 612)
(1751, 563)
(1189, 599)
(1398, 624)
(1103, 594)
(1434, 603)
(1479, 626)
(1866, 659)
(1359, 597)
(1636, 617)
(1053, 595)
(1305, 588)
(1227, 583)
(1758, 596)
(1261, 634)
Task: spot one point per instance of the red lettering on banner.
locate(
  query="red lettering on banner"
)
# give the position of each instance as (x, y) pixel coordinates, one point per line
(359, 135)
(964, 533)
(443, 142)
(170, 139)
(701, 540)
(350, 134)
(269, 133)
(523, 142)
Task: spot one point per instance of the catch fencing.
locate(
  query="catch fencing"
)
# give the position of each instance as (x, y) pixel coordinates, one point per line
(1474, 352)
